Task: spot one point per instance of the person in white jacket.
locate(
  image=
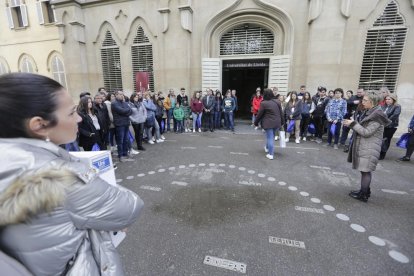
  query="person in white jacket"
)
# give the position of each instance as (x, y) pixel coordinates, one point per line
(54, 210)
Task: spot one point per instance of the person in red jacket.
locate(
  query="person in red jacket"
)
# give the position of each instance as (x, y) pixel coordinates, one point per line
(257, 99)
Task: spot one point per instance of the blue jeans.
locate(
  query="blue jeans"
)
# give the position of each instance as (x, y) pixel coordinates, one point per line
(121, 136)
(228, 118)
(337, 131)
(217, 119)
(169, 117)
(111, 135)
(197, 120)
(270, 138)
(180, 125)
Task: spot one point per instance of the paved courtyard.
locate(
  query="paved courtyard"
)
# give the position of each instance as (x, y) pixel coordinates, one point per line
(214, 205)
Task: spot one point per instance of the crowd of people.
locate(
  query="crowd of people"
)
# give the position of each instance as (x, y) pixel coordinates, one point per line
(56, 214)
(107, 118)
(372, 115)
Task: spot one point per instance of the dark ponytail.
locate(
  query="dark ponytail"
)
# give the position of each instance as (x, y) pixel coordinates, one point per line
(24, 96)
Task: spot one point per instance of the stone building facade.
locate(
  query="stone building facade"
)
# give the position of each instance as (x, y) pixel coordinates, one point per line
(238, 44)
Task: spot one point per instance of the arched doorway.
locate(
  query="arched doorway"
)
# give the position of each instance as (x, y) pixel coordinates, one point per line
(245, 51)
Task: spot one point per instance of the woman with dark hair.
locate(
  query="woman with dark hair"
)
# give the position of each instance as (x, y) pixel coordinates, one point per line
(366, 143)
(393, 111)
(307, 108)
(218, 103)
(197, 111)
(270, 115)
(335, 112)
(90, 126)
(51, 203)
(293, 112)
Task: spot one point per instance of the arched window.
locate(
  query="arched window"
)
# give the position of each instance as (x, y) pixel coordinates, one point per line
(383, 50)
(58, 70)
(142, 60)
(4, 68)
(111, 63)
(247, 39)
(27, 65)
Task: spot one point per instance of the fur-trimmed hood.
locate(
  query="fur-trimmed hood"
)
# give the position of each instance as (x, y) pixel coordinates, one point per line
(33, 193)
(33, 178)
(377, 115)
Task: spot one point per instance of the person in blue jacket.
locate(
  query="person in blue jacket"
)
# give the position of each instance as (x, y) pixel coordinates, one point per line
(410, 143)
(229, 105)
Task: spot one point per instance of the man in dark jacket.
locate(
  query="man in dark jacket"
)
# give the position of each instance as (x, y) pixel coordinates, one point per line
(182, 97)
(121, 111)
(208, 112)
(318, 114)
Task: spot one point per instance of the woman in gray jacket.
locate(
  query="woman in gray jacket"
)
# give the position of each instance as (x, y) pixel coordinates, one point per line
(54, 211)
(366, 142)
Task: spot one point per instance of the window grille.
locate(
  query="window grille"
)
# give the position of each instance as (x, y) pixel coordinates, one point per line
(111, 63)
(383, 50)
(26, 65)
(58, 71)
(247, 39)
(142, 57)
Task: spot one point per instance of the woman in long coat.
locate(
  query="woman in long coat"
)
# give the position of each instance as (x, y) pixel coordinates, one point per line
(270, 115)
(366, 144)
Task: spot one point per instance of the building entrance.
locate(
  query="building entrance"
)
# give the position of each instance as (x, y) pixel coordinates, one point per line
(245, 76)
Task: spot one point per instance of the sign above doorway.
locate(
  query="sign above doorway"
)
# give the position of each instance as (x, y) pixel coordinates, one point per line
(246, 63)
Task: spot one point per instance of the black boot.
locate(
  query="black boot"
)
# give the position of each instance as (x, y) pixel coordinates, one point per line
(357, 192)
(382, 155)
(360, 196)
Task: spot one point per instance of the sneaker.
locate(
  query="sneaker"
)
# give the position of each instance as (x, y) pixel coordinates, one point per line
(304, 139)
(404, 158)
(159, 141)
(287, 140)
(297, 141)
(276, 138)
(162, 137)
(336, 146)
(193, 130)
(132, 151)
(256, 128)
(151, 142)
(346, 148)
(318, 140)
(327, 145)
(199, 130)
(266, 150)
(153, 139)
(115, 167)
(268, 156)
(141, 148)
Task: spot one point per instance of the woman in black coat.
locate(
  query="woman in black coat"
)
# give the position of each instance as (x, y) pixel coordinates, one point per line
(90, 127)
(393, 111)
(270, 115)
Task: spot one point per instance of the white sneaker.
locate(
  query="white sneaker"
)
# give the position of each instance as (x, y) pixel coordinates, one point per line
(132, 151)
(199, 130)
(153, 139)
(193, 130)
(255, 128)
(159, 141)
(297, 141)
(162, 137)
(304, 138)
(287, 140)
(186, 130)
(151, 142)
(265, 148)
(276, 138)
(268, 156)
